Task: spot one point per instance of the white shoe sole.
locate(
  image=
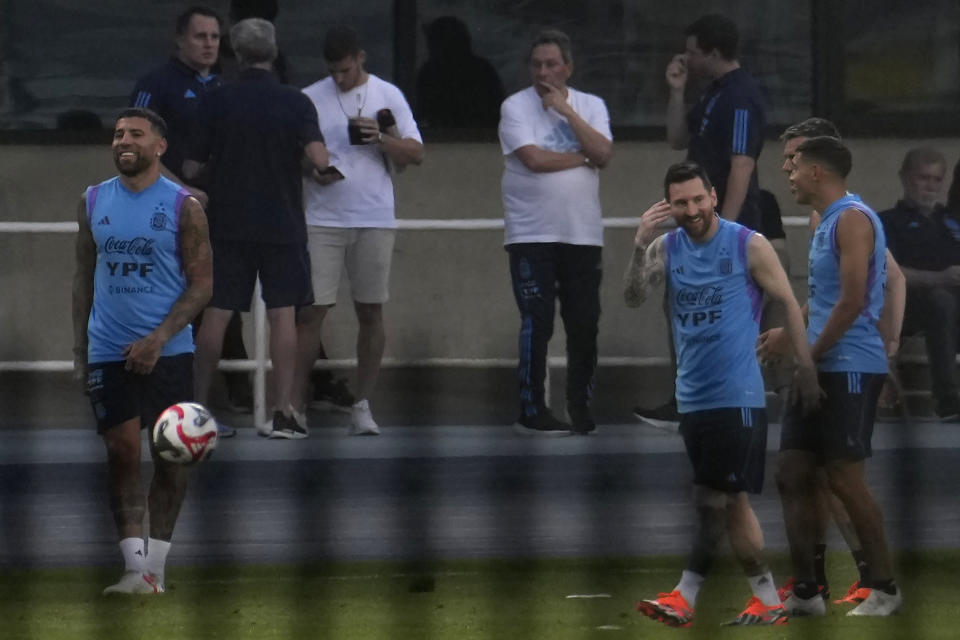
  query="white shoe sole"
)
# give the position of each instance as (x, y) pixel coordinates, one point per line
(354, 430)
(671, 426)
(286, 435)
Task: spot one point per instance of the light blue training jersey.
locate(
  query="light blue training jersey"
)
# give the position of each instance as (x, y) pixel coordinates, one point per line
(861, 347)
(715, 314)
(138, 274)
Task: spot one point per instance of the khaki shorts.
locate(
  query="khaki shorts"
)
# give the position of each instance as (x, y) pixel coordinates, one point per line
(365, 252)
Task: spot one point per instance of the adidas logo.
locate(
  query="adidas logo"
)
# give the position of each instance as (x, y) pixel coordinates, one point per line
(139, 553)
(104, 220)
(189, 94)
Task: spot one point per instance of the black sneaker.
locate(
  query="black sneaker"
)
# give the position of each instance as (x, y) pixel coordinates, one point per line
(331, 394)
(663, 417)
(581, 422)
(287, 428)
(542, 424)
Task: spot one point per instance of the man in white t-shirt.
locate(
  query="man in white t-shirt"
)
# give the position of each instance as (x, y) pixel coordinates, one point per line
(554, 139)
(370, 132)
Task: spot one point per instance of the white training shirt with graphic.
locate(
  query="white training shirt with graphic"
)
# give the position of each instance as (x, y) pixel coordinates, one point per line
(559, 206)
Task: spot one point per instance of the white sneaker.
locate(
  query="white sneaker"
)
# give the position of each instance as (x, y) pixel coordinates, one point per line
(264, 430)
(361, 420)
(136, 582)
(878, 603)
(798, 607)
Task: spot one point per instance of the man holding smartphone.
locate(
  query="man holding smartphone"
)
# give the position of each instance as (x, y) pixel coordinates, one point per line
(369, 130)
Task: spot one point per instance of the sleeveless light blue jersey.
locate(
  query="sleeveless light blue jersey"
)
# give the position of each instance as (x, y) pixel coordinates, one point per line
(715, 313)
(861, 347)
(138, 275)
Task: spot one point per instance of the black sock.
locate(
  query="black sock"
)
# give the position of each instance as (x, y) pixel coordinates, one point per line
(863, 567)
(889, 587)
(819, 563)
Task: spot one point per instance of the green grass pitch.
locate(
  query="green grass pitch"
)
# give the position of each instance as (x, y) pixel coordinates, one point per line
(456, 600)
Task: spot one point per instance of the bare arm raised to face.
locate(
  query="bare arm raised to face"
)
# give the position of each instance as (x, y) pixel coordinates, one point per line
(648, 262)
(197, 261)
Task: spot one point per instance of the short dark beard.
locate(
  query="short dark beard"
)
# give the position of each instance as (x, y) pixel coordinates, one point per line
(139, 167)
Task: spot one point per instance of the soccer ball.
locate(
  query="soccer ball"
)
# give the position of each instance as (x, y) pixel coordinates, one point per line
(185, 433)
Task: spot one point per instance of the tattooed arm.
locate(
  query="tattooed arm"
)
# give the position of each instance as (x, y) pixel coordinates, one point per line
(86, 258)
(644, 272)
(197, 262)
(646, 268)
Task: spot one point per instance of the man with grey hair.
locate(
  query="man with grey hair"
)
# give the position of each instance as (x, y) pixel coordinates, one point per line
(555, 140)
(253, 136)
(924, 237)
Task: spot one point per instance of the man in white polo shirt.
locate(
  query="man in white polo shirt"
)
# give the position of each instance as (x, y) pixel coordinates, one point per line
(554, 139)
(369, 131)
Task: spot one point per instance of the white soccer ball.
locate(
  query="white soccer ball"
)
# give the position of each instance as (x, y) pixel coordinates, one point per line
(185, 433)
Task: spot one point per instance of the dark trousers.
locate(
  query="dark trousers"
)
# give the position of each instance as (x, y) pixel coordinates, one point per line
(936, 312)
(542, 273)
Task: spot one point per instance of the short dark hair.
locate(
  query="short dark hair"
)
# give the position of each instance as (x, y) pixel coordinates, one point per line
(828, 151)
(341, 42)
(921, 157)
(557, 37)
(811, 128)
(714, 31)
(158, 124)
(682, 172)
(183, 20)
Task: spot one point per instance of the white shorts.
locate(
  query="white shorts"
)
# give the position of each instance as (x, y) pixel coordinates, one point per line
(365, 252)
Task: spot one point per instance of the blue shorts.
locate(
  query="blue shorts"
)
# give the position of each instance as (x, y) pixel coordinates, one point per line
(284, 271)
(117, 395)
(843, 425)
(727, 447)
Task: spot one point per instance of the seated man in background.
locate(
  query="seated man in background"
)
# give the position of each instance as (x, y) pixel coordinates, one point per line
(924, 237)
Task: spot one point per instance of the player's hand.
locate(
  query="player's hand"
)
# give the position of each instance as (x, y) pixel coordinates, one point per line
(553, 97)
(141, 356)
(676, 73)
(369, 129)
(773, 346)
(651, 223)
(806, 389)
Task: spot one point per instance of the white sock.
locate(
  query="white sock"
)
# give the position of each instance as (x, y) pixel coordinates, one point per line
(689, 586)
(133, 554)
(764, 588)
(157, 557)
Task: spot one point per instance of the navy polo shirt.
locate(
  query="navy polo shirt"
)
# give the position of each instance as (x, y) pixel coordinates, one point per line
(251, 134)
(925, 242)
(173, 91)
(729, 120)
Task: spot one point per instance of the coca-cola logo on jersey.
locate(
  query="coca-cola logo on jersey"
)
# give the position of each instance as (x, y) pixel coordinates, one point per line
(138, 246)
(705, 297)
